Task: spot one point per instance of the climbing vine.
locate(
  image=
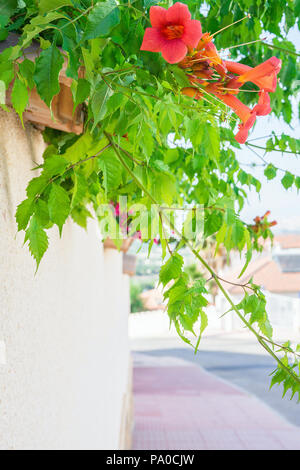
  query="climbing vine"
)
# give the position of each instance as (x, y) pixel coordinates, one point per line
(158, 85)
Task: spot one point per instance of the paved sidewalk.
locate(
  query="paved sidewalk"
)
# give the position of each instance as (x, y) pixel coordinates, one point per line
(182, 407)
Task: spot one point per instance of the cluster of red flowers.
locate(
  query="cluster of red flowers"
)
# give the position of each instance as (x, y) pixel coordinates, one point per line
(180, 40)
(262, 223)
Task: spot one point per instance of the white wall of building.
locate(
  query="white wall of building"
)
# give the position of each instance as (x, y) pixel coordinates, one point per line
(64, 356)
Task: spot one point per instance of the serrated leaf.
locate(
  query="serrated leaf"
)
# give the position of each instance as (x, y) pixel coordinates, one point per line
(59, 205)
(36, 186)
(48, 66)
(55, 165)
(270, 172)
(82, 92)
(23, 213)
(99, 102)
(102, 19)
(203, 326)
(38, 240)
(42, 212)
(19, 98)
(26, 68)
(80, 189)
(112, 170)
(288, 180)
(80, 215)
(171, 269)
(213, 222)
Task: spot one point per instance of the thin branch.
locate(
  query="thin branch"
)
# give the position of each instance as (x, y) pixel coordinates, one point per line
(271, 46)
(272, 150)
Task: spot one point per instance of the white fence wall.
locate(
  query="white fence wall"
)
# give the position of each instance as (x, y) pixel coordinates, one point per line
(64, 351)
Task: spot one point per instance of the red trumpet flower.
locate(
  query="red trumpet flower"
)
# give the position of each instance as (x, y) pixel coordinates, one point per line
(172, 32)
(264, 75)
(244, 128)
(263, 107)
(247, 115)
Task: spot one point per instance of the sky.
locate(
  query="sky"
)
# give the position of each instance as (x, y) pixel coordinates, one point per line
(283, 204)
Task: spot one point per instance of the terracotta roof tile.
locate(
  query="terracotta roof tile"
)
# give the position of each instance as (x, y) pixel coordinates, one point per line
(266, 273)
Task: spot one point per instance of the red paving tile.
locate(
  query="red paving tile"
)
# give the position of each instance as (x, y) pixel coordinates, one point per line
(186, 408)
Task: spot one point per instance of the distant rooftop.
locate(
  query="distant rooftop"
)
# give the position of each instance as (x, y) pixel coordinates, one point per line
(268, 273)
(288, 241)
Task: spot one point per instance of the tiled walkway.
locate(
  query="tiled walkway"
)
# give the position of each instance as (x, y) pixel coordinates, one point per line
(183, 407)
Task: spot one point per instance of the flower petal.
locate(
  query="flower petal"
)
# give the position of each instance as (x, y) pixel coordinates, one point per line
(263, 75)
(242, 110)
(236, 67)
(192, 33)
(158, 17)
(178, 14)
(263, 107)
(153, 40)
(243, 132)
(174, 51)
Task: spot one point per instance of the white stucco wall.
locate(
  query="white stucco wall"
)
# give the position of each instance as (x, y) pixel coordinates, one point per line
(64, 330)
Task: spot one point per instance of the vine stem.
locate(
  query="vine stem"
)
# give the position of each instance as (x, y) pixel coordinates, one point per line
(73, 165)
(204, 263)
(272, 150)
(288, 51)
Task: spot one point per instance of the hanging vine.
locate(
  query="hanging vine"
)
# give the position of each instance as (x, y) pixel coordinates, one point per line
(155, 75)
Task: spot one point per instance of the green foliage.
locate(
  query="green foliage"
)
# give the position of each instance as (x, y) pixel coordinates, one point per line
(171, 269)
(37, 239)
(102, 19)
(48, 66)
(134, 112)
(59, 205)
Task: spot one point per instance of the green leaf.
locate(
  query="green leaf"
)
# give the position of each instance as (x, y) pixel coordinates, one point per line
(82, 92)
(80, 215)
(80, 189)
(38, 240)
(48, 66)
(8, 7)
(270, 172)
(55, 165)
(49, 5)
(213, 222)
(99, 102)
(41, 212)
(112, 170)
(26, 68)
(171, 269)
(36, 186)
(19, 98)
(23, 213)
(102, 19)
(204, 324)
(288, 180)
(59, 205)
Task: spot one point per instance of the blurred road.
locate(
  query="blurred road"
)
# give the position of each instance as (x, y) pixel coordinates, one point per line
(234, 357)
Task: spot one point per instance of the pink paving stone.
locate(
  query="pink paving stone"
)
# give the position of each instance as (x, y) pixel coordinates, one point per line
(186, 408)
